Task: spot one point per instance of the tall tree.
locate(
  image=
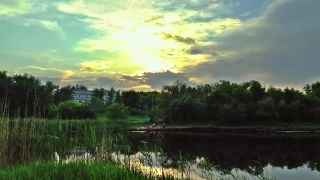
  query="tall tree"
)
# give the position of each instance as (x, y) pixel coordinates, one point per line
(81, 87)
(99, 92)
(118, 97)
(130, 98)
(111, 96)
(63, 94)
(313, 89)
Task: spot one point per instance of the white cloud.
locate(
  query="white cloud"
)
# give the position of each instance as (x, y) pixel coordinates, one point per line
(97, 65)
(53, 26)
(12, 8)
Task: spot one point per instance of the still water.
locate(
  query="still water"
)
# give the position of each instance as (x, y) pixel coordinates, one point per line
(280, 156)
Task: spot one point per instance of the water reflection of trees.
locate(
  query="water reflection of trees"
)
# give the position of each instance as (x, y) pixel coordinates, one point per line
(249, 153)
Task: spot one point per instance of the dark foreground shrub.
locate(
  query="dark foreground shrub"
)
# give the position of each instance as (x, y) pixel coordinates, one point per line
(71, 110)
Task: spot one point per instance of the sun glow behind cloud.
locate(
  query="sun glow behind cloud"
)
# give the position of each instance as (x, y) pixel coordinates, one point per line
(154, 41)
(100, 42)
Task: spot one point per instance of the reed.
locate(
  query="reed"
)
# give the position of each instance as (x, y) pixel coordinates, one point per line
(35, 148)
(74, 170)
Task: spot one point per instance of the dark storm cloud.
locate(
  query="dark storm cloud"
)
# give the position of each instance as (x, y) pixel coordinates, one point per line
(154, 18)
(133, 79)
(186, 40)
(157, 79)
(281, 47)
(195, 50)
(86, 69)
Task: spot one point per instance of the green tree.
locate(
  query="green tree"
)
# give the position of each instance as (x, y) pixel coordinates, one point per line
(25, 93)
(45, 97)
(177, 90)
(5, 84)
(111, 96)
(290, 95)
(118, 97)
(131, 99)
(81, 87)
(98, 93)
(97, 105)
(256, 89)
(220, 95)
(186, 109)
(310, 108)
(155, 114)
(313, 89)
(53, 112)
(117, 111)
(73, 110)
(289, 112)
(63, 94)
(267, 110)
(232, 113)
(203, 91)
(276, 94)
(225, 113)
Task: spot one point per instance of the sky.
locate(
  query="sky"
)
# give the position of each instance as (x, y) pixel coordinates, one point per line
(145, 44)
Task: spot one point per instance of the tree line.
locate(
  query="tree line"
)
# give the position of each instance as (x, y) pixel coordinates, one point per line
(223, 101)
(236, 103)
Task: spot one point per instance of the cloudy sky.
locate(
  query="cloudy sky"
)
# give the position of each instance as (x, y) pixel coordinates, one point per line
(144, 44)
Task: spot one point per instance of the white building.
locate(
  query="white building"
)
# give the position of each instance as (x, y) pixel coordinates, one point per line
(82, 96)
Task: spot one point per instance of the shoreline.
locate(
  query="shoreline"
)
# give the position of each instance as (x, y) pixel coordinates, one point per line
(225, 129)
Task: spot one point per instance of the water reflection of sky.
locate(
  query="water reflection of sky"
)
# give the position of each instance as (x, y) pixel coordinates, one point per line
(197, 173)
(301, 173)
(282, 156)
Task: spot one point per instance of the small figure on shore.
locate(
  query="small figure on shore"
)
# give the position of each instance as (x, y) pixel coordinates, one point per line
(159, 123)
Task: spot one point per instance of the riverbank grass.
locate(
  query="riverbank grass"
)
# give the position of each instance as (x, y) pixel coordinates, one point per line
(75, 170)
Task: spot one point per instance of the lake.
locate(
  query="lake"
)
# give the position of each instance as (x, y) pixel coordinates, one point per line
(281, 156)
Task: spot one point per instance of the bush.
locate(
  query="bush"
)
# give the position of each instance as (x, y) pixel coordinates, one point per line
(53, 112)
(185, 109)
(267, 110)
(73, 110)
(135, 111)
(117, 111)
(155, 114)
(232, 113)
(97, 105)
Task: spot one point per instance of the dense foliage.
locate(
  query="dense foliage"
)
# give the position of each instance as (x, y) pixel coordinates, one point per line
(117, 111)
(236, 103)
(222, 101)
(26, 96)
(71, 110)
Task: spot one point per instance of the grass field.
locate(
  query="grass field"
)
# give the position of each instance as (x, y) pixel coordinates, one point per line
(137, 120)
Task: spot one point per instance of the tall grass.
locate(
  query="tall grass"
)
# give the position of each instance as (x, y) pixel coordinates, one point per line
(34, 148)
(25, 140)
(75, 170)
